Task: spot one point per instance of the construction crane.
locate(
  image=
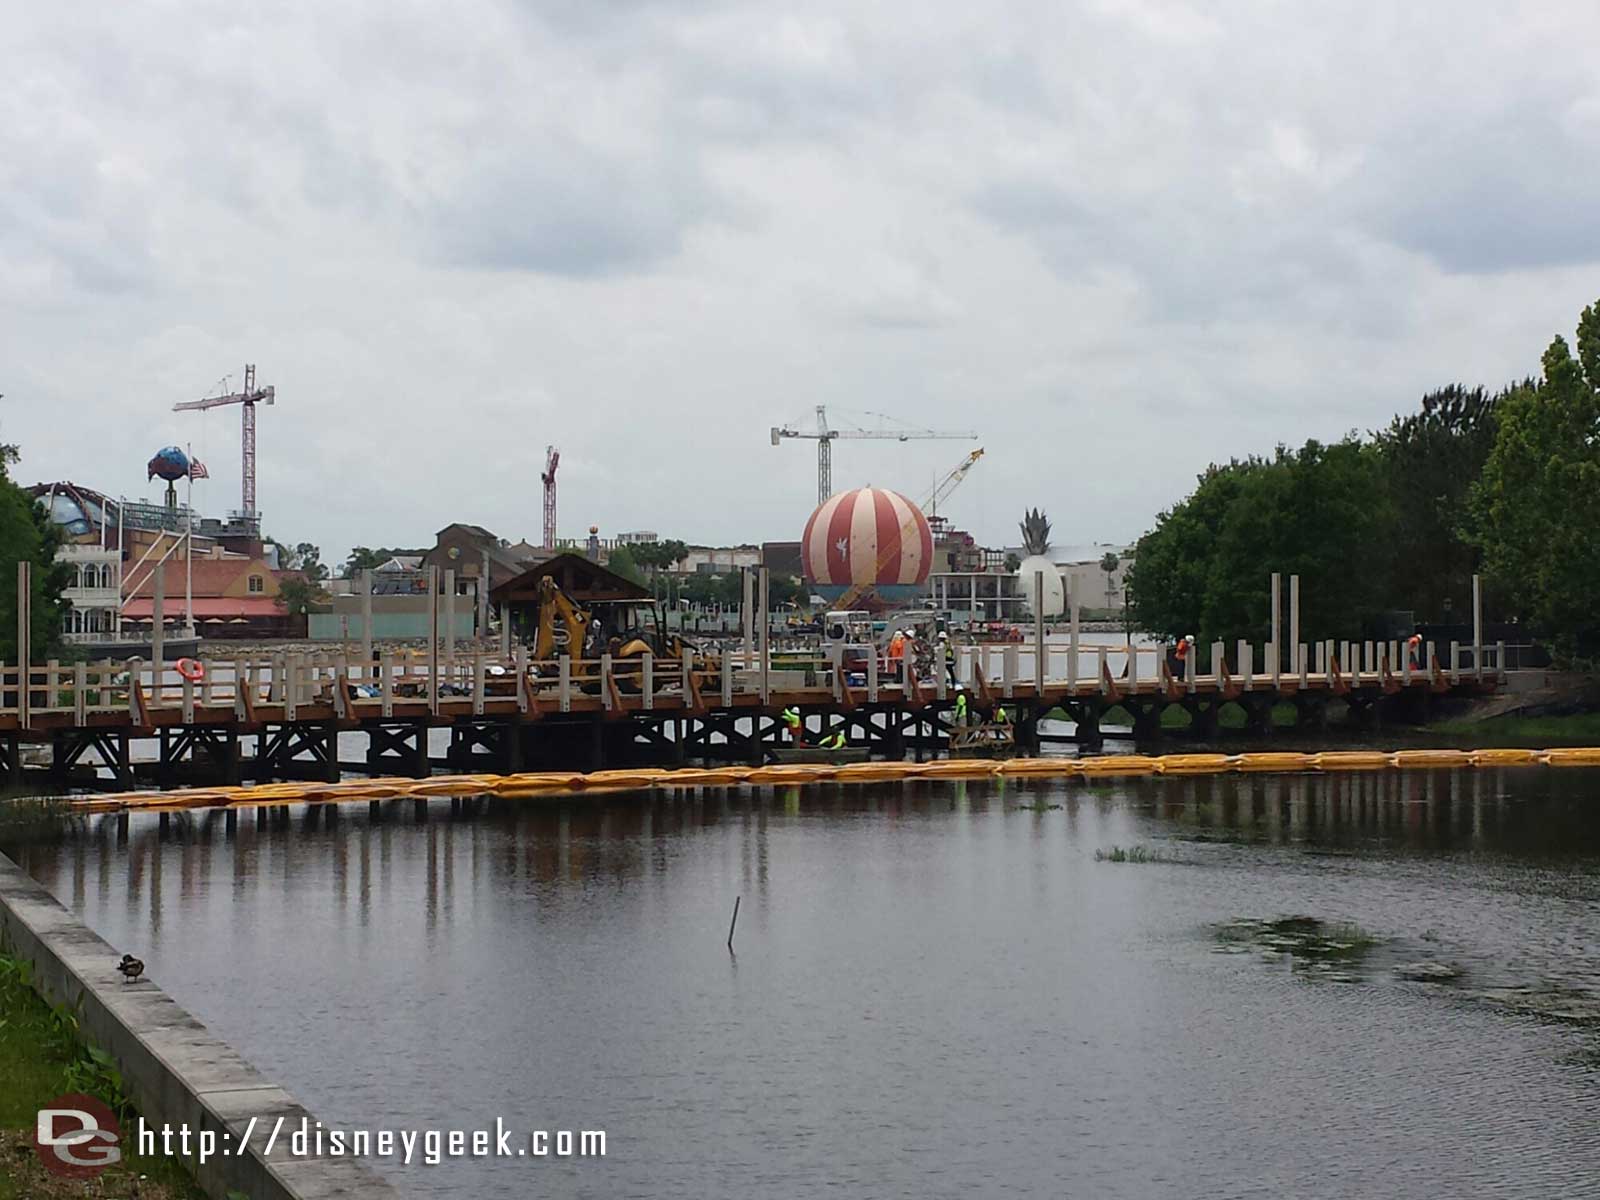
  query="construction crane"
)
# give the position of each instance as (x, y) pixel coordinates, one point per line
(941, 491)
(950, 482)
(552, 459)
(247, 399)
(824, 435)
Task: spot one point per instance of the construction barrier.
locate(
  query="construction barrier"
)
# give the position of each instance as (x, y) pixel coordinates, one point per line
(1410, 759)
(1351, 760)
(1504, 758)
(1585, 757)
(1195, 764)
(1279, 762)
(539, 784)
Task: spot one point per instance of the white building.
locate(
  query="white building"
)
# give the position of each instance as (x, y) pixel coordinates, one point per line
(95, 594)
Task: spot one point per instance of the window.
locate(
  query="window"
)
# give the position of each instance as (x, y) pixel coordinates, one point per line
(257, 584)
(105, 576)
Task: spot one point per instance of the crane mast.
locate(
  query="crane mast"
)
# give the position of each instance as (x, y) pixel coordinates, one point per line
(247, 400)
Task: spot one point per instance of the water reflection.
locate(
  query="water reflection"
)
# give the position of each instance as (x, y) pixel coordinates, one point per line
(938, 990)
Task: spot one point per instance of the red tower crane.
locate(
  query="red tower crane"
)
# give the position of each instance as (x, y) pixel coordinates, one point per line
(247, 399)
(551, 461)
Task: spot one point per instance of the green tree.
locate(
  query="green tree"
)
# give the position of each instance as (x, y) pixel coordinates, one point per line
(621, 562)
(1431, 461)
(299, 596)
(28, 534)
(1537, 504)
(1319, 512)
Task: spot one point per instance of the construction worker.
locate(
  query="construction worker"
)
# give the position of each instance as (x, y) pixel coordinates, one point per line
(897, 654)
(791, 720)
(1001, 717)
(1414, 651)
(945, 663)
(961, 706)
(834, 740)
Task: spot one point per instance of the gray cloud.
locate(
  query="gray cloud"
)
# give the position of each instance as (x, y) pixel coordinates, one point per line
(648, 230)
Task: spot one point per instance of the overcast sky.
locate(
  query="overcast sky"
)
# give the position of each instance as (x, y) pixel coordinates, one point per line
(1119, 240)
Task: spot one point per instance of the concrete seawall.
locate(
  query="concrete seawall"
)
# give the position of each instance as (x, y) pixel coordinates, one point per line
(173, 1069)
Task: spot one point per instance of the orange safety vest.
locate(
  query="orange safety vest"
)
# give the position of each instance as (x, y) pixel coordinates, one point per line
(1183, 650)
(897, 647)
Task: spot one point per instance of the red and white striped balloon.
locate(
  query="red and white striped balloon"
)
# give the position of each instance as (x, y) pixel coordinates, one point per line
(867, 536)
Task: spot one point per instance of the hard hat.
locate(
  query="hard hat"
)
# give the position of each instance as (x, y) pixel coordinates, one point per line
(1190, 639)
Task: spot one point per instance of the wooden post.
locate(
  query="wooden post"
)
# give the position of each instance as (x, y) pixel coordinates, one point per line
(747, 616)
(1455, 662)
(1277, 623)
(1219, 662)
(188, 699)
(727, 681)
(1008, 670)
(564, 694)
(241, 681)
(605, 680)
(449, 599)
(158, 629)
(1133, 667)
(366, 619)
(1303, 654)
(136, 717)
(80, 693)
(1477, 628)
(291, 685)
(686, 669)
(872, 673)
(1100, 668)
(1040, 653)
(483, 597)
(1297, 667)
(386, 691)
(479, 676)
(433, 639)
(1277, 665)
(24, 637)
(1072, 636)
(1241, 659)
(505, 635)
(765, 590)
(647, 680)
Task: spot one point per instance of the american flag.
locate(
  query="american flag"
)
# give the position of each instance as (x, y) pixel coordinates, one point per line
(197, 469)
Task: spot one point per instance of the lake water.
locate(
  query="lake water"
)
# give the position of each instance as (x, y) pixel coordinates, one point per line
(939, 990)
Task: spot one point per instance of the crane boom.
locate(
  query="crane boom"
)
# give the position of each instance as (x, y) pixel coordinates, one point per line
(825, 435)
(940, 491)
(247, 400)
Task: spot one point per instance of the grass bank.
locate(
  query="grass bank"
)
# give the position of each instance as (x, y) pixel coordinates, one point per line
(44, 1057)
(1578, 727)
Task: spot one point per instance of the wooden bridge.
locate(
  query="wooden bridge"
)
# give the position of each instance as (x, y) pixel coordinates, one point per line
(294, 712)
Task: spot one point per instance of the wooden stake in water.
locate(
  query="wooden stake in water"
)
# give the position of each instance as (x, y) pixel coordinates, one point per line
(733, 922)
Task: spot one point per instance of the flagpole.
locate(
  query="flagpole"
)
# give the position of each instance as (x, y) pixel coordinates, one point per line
(188, 571)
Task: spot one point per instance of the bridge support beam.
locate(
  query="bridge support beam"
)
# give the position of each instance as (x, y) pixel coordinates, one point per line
(398, 748)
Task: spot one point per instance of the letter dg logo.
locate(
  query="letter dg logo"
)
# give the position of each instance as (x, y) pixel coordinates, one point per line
(76, 1137)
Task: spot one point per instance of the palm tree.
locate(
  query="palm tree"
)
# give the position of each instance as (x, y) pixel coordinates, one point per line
(1109, 562)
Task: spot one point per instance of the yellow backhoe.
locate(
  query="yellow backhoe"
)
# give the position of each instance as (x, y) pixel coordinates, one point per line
(563, 628)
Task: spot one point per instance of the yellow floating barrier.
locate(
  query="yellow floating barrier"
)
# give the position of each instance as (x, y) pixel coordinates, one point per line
(969, 768)
(1351, 760)
(1425, 759)
(1119, 764)
(1194, 764)
(1578, 756)
(791, 773)
(704, 776)
(1046, 768)
(455, 785)
(1504, 758)
(1276, 761)
(877, 772)
(527, 781)
(634, 777)
(551, 783)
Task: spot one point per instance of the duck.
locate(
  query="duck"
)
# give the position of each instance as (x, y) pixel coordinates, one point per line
(131, 967)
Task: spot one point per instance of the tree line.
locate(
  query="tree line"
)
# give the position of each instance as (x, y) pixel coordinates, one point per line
(1505, 484)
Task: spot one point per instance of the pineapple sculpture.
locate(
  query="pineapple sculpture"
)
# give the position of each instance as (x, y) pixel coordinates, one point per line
(1035, 528)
